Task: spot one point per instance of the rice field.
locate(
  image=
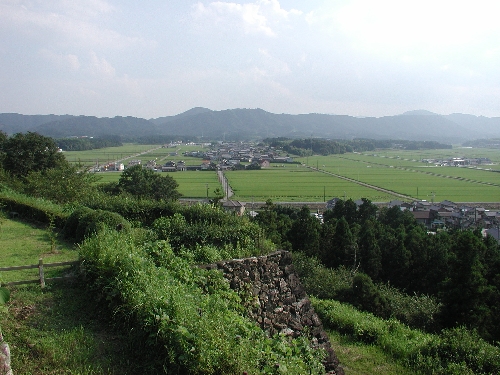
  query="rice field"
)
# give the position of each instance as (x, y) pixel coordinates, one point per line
(415, 180)
(192, 184)
(317, 178)
(128, 152)
(296, 183)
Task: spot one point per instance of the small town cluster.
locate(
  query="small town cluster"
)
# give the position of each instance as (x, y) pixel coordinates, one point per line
(223, 156)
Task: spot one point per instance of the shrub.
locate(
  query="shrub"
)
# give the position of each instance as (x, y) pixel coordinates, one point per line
(380, 299)
(193, 319)
(71, 225)
(367, 297)
(84, 222)
(237, 239)
(457, 351)
(32, 209)
(462, 349)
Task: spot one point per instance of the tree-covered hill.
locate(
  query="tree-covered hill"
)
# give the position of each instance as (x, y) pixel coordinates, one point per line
(244, 124)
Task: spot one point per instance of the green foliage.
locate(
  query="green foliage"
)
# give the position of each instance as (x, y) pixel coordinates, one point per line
(418, 311)
(192, 317)
(61, 185)
(462, 349)
(97, 220)
(73, 220)
(32, 209)
(367, 297)
(209, 238)
(4, 296)
(457, 351)
(141, 212)
(144, 183)
(84, 222)
(30, 152)
(304, 233)
(81, 144)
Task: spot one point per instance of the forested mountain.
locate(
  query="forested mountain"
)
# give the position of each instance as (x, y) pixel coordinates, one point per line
(239, 124)
(11, 123)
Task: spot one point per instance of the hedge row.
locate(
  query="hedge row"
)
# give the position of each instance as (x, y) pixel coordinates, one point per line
(77, 225)
(32, 209)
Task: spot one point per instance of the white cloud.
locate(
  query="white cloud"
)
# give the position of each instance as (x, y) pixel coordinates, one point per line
(101, 67)
(259, 17)
(67, 61)
(76, 23)
(423, 27)
(272, 66)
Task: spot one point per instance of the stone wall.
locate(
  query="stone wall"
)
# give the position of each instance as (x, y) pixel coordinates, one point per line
(276, 299)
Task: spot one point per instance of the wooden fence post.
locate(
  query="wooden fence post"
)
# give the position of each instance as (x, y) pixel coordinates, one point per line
(40, 272)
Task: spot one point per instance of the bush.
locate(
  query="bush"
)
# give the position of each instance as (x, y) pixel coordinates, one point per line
(457, 351)
(237, 239)
(71, 225)
(367, 297)
(84, 222)
(193, 320)
(32, 209)
(380, 299)
(464, 348)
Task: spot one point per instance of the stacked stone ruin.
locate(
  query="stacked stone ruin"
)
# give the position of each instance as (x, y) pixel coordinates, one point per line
(276, 299)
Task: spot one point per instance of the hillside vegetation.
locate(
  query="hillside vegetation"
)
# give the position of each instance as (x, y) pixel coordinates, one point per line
(429, 302)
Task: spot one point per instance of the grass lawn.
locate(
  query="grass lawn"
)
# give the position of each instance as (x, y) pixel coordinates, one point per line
(25, 243)
(361, 359)
(59, 329)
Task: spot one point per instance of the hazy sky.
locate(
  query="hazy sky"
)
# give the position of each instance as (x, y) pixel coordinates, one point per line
(154, 58)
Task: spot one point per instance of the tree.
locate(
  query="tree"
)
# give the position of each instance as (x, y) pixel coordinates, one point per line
(466, 291)
(146, 184)
(62, 185)
(304, 234)
(395, 256)
(3, 139)
(343, 249)
(366, 211)
(218, 196)
(369, 249)
(31, 152)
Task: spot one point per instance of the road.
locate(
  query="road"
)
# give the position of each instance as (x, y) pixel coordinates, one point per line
(228, 192)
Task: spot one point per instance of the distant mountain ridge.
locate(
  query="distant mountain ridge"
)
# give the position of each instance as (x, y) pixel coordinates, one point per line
(240, 124)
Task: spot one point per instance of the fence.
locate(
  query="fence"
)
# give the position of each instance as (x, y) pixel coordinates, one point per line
(41, 266)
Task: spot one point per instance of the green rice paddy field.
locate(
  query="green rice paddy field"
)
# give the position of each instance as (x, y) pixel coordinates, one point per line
(128, 152)
(398, 171)
(417, 180)
(192, 184)
(296, 183)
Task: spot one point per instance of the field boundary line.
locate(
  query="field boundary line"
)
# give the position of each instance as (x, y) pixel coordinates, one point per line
(399, 195)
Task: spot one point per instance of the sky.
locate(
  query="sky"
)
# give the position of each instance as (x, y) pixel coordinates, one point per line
(155, 58)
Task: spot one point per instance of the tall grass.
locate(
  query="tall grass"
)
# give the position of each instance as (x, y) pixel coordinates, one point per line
(456, 351)
(191, 317)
